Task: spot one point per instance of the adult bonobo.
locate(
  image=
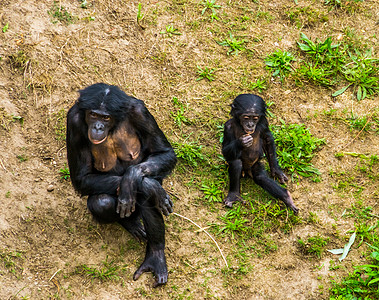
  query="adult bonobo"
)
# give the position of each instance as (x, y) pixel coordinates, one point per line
(246, 138)
(118, 156)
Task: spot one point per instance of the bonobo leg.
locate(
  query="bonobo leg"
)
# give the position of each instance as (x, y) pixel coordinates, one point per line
(234, 194)
(261, 178)
(103, 208)
(155, 260)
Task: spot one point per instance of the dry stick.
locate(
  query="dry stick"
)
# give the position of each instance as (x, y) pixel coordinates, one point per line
(368, 120)
(202, 229)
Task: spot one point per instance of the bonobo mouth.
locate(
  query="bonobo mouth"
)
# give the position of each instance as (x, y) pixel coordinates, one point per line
(250, 131)
(97, 142)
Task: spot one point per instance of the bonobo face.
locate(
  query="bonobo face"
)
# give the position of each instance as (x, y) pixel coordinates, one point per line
(249, 122)
(99, 123)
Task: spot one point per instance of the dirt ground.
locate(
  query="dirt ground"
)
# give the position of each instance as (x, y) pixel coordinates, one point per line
(47, 235)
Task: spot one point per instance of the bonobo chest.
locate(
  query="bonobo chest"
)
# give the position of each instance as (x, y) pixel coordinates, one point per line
(123, 144)
(250, 155)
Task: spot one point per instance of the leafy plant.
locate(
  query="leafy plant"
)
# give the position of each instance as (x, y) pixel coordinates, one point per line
(234, 222)
(60, 14)
(212, 192)
(363, 283)
(179, 117)
(140, 15)
(5, 28)
(260, 84)
(314, 245)
(235, 46)
(170, 31)
(212, 6)
(108, 271)
(65, 173)
(280, 62)
(295, 148)
(190, 153)
(205, 73)
(362, 73)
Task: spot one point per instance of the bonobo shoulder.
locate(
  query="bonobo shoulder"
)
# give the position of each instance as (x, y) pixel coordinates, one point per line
(74, 117)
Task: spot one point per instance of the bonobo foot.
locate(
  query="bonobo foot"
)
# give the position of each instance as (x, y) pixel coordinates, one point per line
(289, 202)
(155, 262)
(134, 227)
(166, 205)
(231, 198)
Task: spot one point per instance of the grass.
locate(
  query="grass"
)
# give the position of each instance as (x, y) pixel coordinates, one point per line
(179, 114)
(189, 153)
(11, 261)
(108, 270)
(362, 283)
(314, 245)
(59, 125)
(234, 45)
(65, 173)
(60, 14)
(170, 31)
(206, 73)
(296, 147)
(280, 63)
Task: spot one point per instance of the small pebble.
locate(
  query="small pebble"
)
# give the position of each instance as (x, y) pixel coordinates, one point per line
(50, 188)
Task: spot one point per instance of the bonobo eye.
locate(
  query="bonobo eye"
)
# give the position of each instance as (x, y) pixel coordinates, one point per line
(246, 117)
(255, 118)
(92, 114)
(106, 118)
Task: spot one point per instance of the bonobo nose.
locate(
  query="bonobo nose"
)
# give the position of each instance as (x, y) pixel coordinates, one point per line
(99, 126)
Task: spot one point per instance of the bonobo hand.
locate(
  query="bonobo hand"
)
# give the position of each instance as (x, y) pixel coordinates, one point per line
(127, 195)
(246, 140)
(277, 173)
(165, 205)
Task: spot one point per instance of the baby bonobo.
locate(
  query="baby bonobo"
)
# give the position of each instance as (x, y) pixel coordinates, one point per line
(246, 138)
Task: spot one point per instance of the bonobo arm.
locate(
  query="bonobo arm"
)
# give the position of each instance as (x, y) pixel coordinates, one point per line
(159, 158)
(270, 152)
(79, 157)
(158, 161)
(231, 146)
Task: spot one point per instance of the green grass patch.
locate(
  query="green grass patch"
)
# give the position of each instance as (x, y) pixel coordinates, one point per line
(296, 147)
(314, 245)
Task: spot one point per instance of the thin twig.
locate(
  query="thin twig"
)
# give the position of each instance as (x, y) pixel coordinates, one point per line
(226, 263)
(54, 274)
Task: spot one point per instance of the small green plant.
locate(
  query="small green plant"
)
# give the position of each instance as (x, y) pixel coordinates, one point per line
(235, 45)
(19, 60)
(205, 73)
(280, 62)
(5, 28)
(22, 158)
(189, 152)
(359, 123)
(212, 191)
(295, 148)
(210, 5)
(314, 245)
(60, 14)
(65, 173)
(170, 31)
(179, 117)
(362, 73)
(260, 84)
(84, 4)
(11, 261)
(140, 15)
(234, 222)
(109, 270)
